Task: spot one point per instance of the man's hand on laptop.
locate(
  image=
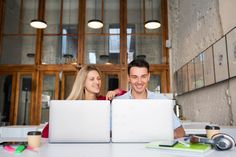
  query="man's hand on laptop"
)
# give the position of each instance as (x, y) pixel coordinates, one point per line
(179, 132)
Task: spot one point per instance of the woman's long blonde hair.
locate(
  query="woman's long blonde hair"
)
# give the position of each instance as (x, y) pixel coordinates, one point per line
(78, 89)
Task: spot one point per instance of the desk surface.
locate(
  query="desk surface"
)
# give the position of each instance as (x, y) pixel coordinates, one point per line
(109, 150)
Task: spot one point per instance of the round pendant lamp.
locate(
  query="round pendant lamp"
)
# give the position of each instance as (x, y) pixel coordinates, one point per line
(152, 24)
(95, 23)
(39, 24)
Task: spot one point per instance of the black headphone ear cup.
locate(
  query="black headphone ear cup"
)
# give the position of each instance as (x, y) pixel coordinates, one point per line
(223, 141)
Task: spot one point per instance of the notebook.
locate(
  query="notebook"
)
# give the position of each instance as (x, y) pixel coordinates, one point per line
(79, 121)
(146, 120)
(196, 147)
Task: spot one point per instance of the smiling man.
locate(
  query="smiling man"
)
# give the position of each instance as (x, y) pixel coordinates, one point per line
(138, 77)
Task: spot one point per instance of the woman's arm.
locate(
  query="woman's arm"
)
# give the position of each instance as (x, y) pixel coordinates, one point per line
(117, 92)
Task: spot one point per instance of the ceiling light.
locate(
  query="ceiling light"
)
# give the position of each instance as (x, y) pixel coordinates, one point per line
(152, 24)
(39, 24)
(95, 24)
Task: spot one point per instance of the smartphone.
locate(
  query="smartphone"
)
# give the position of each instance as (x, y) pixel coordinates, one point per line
(13, 143)
(168, 143)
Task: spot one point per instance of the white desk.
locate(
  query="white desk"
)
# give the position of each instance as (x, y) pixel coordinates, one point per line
(103, 150)
(109, 150)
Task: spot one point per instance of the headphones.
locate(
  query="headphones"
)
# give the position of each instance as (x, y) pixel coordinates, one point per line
(218, 141)
(223, 141)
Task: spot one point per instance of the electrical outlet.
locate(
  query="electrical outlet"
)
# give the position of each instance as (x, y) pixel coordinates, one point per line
(168, 43)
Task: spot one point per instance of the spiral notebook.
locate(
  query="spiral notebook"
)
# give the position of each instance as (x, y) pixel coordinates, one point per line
(196, 147)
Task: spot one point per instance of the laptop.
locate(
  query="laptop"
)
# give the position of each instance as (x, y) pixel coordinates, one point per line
(79, 121)
(142, 120)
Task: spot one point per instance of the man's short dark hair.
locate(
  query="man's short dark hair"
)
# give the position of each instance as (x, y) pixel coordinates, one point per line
(138, 63)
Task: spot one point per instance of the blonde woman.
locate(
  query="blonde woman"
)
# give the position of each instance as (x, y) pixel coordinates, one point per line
(87, 86)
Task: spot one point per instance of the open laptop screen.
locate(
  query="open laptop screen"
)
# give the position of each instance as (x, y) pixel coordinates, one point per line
(142, 120)
(79, 121)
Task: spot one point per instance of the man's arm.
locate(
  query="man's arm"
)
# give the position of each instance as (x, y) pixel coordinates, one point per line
(179, 132)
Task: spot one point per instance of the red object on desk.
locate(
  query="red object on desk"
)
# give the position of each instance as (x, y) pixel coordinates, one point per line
(45, 131)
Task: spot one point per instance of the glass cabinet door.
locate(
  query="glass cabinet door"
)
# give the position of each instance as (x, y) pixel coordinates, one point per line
(67, 84)
(5, 95)
(48, 93)
(102, 46)
(60, 41)
(24, 103)
(18, 38)
(141, 42)
(109, 82)
(155, 83)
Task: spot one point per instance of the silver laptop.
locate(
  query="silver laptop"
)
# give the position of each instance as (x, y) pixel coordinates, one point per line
(142, 120)
(79, 121)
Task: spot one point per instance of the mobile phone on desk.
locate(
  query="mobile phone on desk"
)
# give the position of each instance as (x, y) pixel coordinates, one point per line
(13, 143)
(170, 143)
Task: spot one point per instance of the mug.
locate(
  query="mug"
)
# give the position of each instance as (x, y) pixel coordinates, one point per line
(34, 139)
(212, 130)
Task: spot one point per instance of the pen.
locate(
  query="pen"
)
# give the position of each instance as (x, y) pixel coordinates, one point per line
(186, 138)
(184, 143)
